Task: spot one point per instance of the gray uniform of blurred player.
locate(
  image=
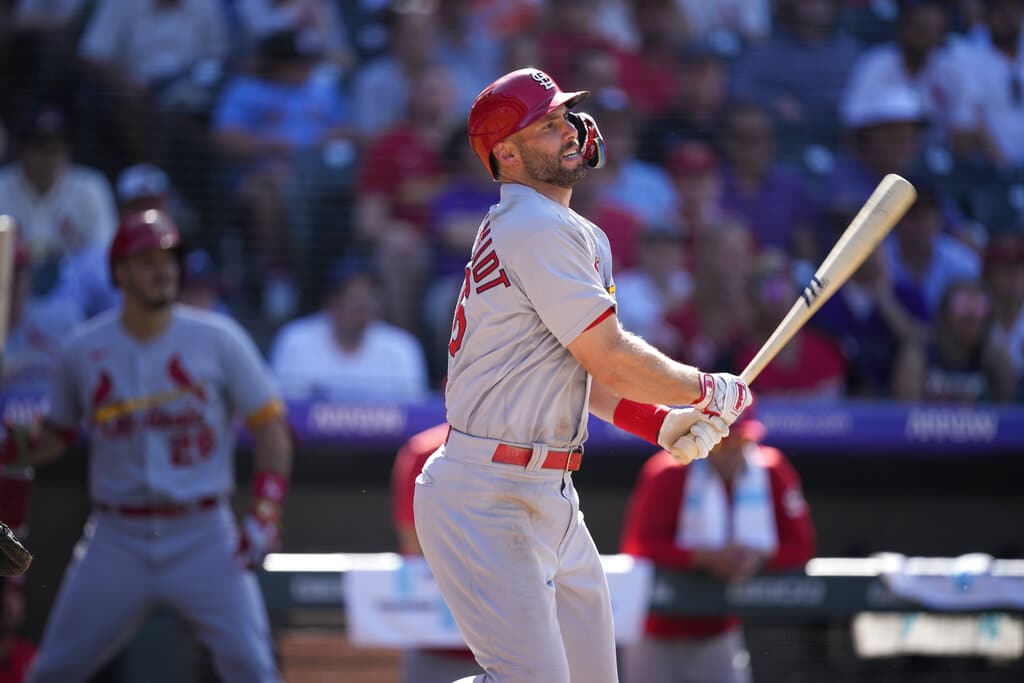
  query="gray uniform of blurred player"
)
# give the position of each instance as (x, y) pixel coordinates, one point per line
(161, 420)
(496, 511)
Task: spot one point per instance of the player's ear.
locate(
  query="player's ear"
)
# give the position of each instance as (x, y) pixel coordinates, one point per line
(505, 153)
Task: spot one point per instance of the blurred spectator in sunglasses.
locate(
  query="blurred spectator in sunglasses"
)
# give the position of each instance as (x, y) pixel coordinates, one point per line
(960, 364)
(1004, 275)
(872, 317)
(810, 365)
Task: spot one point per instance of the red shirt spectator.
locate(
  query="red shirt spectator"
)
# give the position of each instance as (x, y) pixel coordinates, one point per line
(812, 366)
(739, 511)
(408, 170)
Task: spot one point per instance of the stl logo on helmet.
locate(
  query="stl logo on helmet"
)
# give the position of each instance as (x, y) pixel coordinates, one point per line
(543, 79)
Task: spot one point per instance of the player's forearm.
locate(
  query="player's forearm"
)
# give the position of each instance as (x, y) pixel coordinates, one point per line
(636, 370)
(273, 448)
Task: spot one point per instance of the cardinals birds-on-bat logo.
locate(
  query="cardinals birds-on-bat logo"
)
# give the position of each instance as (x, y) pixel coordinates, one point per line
(176, 371)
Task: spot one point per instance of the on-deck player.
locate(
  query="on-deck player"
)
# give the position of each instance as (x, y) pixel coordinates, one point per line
(159, 386)
(536, 344)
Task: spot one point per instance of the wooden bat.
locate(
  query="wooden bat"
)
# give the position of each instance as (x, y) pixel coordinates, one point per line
(8, 234)
(876, 218)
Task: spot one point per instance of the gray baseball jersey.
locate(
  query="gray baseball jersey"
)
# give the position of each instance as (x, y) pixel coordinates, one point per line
(162, 419)
(161, 415)
(540, 274)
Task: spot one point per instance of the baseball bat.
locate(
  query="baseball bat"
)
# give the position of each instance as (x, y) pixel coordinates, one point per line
(876, 218)
(8, 234)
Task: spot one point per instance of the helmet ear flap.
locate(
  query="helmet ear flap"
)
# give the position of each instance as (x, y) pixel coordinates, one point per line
(592, 147)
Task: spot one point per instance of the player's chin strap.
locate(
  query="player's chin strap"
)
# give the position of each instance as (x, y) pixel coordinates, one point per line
(592, 147)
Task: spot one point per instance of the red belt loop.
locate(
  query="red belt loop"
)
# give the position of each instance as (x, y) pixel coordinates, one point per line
(568, 461)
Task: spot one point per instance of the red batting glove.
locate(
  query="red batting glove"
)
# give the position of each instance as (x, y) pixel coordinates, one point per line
(260, 531)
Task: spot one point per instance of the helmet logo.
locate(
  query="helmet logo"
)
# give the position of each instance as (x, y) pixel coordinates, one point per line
(543, 79)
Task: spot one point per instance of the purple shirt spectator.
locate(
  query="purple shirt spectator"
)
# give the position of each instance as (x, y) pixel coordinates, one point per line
(773, 210)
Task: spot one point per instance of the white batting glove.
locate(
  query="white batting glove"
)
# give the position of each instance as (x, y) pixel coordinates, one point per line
(724, 395)
(689, 434)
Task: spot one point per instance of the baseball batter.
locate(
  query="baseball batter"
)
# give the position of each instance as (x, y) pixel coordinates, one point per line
(159, 387)
(535, 346)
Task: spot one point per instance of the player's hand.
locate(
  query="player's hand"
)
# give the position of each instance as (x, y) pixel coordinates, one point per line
(256, 538)
(698, 441)
(724, 395)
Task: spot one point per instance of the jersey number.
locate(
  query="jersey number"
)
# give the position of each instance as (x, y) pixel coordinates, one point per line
(480, 270)
(189, 448)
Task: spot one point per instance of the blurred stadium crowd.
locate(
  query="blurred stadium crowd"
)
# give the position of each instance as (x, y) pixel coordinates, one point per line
(314, 153)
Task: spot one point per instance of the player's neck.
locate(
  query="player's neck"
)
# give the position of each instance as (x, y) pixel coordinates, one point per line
(559, 195)
(142, 323)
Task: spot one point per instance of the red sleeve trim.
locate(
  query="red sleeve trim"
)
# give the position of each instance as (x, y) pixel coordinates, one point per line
(598, 319)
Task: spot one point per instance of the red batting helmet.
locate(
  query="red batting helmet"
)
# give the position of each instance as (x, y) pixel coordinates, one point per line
(510, 104)
(137, 232)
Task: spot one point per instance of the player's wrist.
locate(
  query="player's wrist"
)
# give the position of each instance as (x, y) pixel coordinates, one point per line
(269, 490)
(640, 419)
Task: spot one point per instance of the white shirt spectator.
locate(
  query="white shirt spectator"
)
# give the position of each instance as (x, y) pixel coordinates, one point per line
(77, 211)
(997, 87)
(942, 87)
(152, 43)
(952, 260)
(389, 365)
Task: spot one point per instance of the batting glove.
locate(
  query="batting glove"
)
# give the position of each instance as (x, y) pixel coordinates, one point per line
(689, 434)
(260, 531)
(723, 395)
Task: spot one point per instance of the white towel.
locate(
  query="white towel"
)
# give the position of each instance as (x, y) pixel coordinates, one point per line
(705, 520)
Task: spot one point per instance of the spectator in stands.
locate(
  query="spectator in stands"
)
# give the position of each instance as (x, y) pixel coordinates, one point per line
(701, 90)
(147, 54)
(290, 144)
(996, 72)
(919, 253)
(61, 207)
(567, 28)
(401, 177)
(658, 284)
(64, 209)
(38, 326)
(800, 71)
(694, 169)
(734, 21)
(382, 89)
(811, 365)
(346, 352)
(738, 512)
(201, 283)
(653, 82)
(884, 135)
(422, 665)
(1004, 275)
(916, 60)
(872, 317)
(719, 315)
(959, 364)
(16, 653)
(767, 196)
(318, 22)
(642, 187)
(467, 47)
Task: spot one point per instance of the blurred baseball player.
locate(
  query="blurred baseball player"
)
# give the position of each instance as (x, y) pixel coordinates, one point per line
(535, 346)
(159, 387)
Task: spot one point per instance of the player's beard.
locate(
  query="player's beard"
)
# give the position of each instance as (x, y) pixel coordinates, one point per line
(549, 169)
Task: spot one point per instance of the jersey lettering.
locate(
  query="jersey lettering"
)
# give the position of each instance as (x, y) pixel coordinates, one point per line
(486, 272)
